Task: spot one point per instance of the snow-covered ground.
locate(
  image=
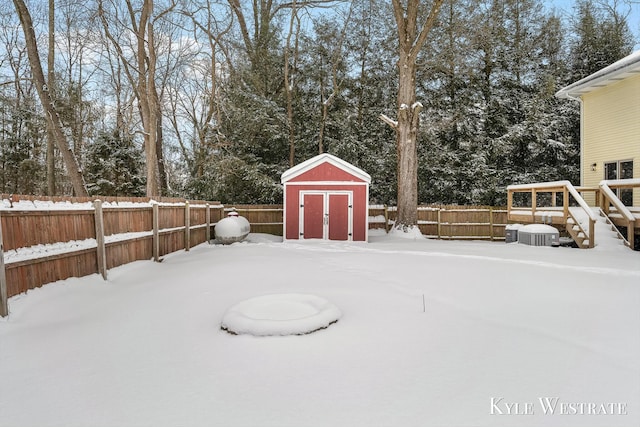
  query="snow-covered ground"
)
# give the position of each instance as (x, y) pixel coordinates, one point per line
(432, 333)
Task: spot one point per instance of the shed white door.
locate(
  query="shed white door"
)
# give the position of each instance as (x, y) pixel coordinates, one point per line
(326, 215)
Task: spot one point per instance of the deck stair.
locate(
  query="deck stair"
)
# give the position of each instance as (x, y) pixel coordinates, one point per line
(613, 227)
(577, 233)
(561, 204)
(540, 206)
(608, 234)
(614, 210)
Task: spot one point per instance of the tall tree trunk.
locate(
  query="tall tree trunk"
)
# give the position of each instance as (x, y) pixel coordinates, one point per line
(410, 41)
(147, 96)
(406, 138)
(335, 84)
(142, 78)
(288, 86)
(50, 158)
(69, 159)
(162, 173)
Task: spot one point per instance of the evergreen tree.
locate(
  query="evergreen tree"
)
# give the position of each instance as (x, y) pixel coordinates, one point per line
(114, 166)
(231, 179)
(21, 146)
(372, 90)
(601, 37)
(240, 116)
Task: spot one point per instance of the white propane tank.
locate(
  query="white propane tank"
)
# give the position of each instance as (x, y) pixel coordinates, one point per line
(233, 228)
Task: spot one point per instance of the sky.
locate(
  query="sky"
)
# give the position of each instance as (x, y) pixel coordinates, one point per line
(630, 6)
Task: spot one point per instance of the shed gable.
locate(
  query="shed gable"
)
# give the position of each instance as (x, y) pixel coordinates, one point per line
(325, 172)
(325, 167)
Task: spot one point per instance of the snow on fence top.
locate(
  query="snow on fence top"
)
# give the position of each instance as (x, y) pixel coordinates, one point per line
(49, 205)
(60, 236)
(27, 202)
(49, 240)
(30, 205)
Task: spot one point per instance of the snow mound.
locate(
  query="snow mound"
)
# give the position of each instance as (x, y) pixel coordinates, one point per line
(280, 314)
(232, 229)
(411, 232)
(538, 228)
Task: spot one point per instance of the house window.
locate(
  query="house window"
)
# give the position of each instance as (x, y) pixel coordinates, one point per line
(622, 169)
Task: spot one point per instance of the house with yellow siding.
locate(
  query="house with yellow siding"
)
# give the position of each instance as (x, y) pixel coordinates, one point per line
(609, 126)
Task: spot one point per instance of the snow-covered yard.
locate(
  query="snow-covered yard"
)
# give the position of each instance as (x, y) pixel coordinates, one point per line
(509, 335)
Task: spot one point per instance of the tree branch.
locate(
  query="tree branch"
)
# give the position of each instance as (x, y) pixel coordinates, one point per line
(389, 121)
(398, 12)
(237, 9)
(429, 23)
(415, 115)
(307, 3)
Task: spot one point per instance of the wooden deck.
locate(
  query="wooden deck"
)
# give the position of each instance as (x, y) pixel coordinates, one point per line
(561, 204)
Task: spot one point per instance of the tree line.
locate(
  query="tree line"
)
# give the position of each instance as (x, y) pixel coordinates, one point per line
(214, 99)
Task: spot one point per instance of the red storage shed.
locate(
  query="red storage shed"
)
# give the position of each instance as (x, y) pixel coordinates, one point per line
(326, 198)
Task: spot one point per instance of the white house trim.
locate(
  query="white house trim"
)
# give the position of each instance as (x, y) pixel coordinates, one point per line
(620, 70)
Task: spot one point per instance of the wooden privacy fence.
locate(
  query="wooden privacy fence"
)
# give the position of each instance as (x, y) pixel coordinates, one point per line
(435, 221)
(42, 245)
(263, 218)
(448, 221)
(76, 237)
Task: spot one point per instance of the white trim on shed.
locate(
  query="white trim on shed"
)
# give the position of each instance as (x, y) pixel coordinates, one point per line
(322, 158)
(350, 181)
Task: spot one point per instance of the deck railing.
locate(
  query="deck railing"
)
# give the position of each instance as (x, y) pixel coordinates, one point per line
(609, 198)
(538, 212)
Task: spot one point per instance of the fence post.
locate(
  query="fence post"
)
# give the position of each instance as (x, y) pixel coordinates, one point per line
(386, 218)
(491, 222)
(156, 231)
(439, 230)
(187, 226)
(101, 250)
(4, 304)
(208, 221)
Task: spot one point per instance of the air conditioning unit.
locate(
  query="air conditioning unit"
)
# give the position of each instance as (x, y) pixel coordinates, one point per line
(539, 235)
(511, 232)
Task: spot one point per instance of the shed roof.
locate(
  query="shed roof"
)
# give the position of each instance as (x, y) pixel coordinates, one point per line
(320, 159)
(620, 70)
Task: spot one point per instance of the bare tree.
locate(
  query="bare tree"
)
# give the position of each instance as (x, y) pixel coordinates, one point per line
(142, 76)
(123, 97)
(194, 110)
(336, 58)
(288, 80)
(410, 40)
(51, 159)
(77, 37)
(53, 119)
(258, 34)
